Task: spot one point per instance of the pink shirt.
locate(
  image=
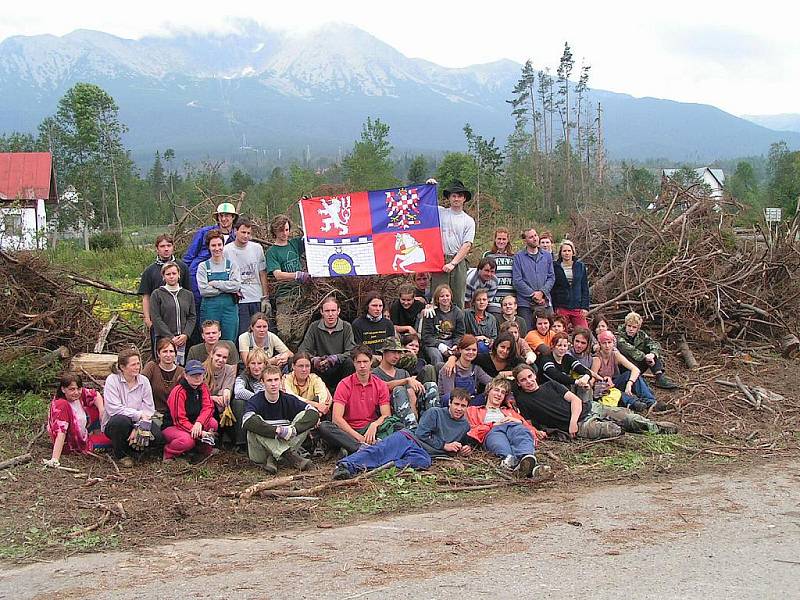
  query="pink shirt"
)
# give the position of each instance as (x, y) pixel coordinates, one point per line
(361, 402)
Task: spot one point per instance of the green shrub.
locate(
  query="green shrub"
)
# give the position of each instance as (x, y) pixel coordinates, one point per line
(22, 375)
(106, 240)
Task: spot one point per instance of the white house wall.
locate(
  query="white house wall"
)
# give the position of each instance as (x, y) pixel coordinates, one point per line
(30, 227)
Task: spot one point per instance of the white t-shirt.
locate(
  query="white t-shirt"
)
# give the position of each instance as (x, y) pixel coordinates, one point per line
(456, 228)
(251, 262)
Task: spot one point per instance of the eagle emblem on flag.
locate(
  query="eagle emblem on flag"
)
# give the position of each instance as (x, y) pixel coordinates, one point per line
(402, 208)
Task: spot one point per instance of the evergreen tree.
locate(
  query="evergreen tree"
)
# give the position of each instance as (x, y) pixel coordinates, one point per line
(417, 170)
(368, 166)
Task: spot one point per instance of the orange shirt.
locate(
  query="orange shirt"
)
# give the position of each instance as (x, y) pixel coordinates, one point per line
(534, 338)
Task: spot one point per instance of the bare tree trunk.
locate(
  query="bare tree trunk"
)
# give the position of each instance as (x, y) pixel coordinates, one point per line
(116, 192)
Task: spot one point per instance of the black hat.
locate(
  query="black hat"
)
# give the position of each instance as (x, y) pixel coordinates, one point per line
(458, 188)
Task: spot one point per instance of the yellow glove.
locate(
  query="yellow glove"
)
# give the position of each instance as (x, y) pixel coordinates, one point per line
(226, 419)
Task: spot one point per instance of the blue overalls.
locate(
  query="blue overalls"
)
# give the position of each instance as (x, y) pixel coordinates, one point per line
(223, 307)
(469, 383)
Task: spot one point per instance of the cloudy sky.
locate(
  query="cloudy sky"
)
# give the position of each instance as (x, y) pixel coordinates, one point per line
(745, 61)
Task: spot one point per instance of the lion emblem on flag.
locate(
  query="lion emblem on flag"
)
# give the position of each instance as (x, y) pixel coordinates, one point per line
(336, 211)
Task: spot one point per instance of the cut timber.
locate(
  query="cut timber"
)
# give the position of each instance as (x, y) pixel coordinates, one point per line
(686, 353)
(101, 339)
(790, 346)
(94, 365)
(16, 461)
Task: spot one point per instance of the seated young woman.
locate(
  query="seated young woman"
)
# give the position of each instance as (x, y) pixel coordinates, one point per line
(617, 371)
(248, 382)
(559, 365)
(74, 420)
(442, 329)
(524, 351)
(189, 423)
(479, 322)
(462, 373)
(220, 377)
(306, 385)
(502, 359)
(164, 374)
(259, 336)
(581, 346)
(504, 432)
(542, 332)
(600, 323)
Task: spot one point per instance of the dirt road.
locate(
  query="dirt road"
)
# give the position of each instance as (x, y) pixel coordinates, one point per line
(709, 536)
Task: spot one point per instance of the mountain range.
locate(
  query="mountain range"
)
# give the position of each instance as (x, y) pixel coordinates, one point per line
(275, 92)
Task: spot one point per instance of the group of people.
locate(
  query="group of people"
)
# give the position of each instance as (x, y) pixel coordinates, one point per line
(498, 356)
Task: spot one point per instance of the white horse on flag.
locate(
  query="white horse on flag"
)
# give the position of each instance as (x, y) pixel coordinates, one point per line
(408, 252)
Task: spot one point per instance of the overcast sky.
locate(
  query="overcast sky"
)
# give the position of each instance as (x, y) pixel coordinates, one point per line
(745, 61)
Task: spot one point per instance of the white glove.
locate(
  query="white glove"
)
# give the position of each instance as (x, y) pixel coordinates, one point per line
(429, 311)
(444, 349)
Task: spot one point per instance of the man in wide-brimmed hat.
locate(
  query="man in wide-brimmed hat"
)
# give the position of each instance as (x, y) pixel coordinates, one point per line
(458, 235)
(197, 252)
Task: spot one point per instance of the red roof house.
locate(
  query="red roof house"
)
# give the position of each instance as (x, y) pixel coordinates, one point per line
(27, 184)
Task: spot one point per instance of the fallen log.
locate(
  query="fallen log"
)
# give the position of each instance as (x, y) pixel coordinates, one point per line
(261, 486)
(16, 461)
(93, 364)
(101, 339)
(686, 353)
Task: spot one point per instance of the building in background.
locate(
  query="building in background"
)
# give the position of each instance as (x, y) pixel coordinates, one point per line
(27, 187)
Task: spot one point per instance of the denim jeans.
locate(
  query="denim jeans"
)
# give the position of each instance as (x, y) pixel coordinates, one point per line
(509, 438)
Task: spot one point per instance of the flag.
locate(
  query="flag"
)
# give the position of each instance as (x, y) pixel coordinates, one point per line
(380, 232)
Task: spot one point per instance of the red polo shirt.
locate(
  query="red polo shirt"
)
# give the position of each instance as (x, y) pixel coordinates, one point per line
(361, 402)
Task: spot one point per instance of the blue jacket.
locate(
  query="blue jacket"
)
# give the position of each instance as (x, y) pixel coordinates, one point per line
(198, 252)
(571, 296)
(530, 273)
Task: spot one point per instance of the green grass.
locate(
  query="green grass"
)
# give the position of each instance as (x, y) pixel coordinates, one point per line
(663, 444)
(35, 540)
(627, 460)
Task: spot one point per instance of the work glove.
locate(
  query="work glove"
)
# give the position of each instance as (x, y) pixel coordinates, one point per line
(302, 277)
(208, 438)
(142, 435)
(266, 307)
(285, 432)
(332, 360)
(429, 311)
(316, 363)
(226, 419)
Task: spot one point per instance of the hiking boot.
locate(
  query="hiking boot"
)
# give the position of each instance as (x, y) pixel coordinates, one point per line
(526, 466)
(271, 466)
(126, 462)
(294, 460)
(664, 383)
(666, 427)
(639, 407)
(660, 406)
(509, 462)
(341, 472)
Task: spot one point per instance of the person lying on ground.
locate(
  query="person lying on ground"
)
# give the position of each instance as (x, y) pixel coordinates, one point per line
(461, 372)
(74, 420)
(329, 341)
(128, 410)
(504, 432)
(189, 424)
(617, 371)
(277, 424)
(163, 375)
(361, 407)
(211, 332)
(409, 397)
(441, 432)
(552, 406)
(259, 336)
(642, 350)
(479, 322)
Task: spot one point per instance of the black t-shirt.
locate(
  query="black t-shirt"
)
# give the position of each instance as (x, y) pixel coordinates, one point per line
(151, 278)
(546, 406)
(484, 361)
(405, 318)
(371, 333)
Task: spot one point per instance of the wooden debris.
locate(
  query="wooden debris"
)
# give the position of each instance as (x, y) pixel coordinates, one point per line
(93, 365)
(16, 461)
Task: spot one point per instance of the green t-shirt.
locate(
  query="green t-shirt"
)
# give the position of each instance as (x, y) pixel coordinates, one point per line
(287, 259)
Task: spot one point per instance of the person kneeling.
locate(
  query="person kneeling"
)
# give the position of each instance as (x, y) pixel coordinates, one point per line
(189, 423)
(505, 432)
(441, 432)
(277, 424)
